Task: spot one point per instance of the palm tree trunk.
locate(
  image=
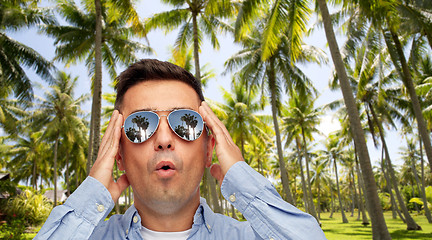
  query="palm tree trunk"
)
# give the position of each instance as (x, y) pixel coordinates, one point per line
(332, 204)
(355, 198)
(379, 227)
(214, 196)
(34, 182)
(233, 214)
(420, 190)
(309, 188)
(318, 199)
(344, 219)
(395, 209)
(97, 89)
(365, 220)
(242, 141)
(423, 191)
(413, 195)
(55, 169)
(90, 147)
(389, 189)
(303, 182)
(67, 174)
(283, 172)
(196, 46)
(405, 74)
(411, 224)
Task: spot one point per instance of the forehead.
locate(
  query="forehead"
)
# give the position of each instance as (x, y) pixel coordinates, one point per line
(159, 95)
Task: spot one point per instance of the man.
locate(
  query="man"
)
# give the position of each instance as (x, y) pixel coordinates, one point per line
(159, 136)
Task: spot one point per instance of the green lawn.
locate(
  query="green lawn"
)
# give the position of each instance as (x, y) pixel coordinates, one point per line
(334, 229)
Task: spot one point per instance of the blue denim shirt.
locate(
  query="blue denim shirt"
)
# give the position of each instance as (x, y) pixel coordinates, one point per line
(268, 216)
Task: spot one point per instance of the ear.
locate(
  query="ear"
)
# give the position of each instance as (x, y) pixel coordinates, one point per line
(210, 146)
(119, 159)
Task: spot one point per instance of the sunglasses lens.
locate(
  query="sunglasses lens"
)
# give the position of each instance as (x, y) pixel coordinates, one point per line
(140, 126)
(187, 124)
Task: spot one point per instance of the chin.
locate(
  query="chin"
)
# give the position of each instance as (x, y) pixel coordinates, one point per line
(170, 202)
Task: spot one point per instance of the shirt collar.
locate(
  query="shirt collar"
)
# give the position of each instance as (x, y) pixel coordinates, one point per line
(131, 219)
(204, 215)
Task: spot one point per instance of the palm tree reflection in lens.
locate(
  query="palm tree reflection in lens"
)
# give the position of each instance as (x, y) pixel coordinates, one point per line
(182, 122)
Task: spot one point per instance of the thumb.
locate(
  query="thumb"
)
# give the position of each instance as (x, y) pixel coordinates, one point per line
(216, 172)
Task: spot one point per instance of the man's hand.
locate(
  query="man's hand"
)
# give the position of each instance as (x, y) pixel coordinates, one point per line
(226, 150)
(103, 167)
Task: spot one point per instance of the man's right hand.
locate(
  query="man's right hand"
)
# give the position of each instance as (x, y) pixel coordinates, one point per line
(103, 167)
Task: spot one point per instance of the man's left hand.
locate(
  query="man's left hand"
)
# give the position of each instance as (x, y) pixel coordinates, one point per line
(226, 150)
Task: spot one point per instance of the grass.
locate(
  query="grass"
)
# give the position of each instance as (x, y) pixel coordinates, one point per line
(334, 229)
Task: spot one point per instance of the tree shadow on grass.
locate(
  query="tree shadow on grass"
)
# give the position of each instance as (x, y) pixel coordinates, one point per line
(341, 229)
(405, 234)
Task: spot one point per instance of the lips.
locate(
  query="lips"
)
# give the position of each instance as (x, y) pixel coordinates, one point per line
(165, 169)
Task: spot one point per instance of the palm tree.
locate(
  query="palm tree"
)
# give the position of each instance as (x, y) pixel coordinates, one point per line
(379, 227)
(194, 18)
(319, 178)
(423, 78)
(271, 75)
(76, 42)
(240, 113)
(29, 158)
(184, 58)
(274, 33)
(387, 24)
(334, 151)
(411, 156)
(299, 120)
(282, 18)
(16, 15)
(60, 115)
(258, 155)
(371, 94)
(415, 20)
(11, 110)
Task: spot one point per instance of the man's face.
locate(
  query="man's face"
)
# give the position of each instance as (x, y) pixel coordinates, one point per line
(155, 189)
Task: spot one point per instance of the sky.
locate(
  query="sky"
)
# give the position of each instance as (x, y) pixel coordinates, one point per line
(160, 42)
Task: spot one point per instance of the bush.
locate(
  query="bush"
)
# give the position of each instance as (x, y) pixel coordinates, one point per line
(385, 200)
(31, 207)
(13, 229)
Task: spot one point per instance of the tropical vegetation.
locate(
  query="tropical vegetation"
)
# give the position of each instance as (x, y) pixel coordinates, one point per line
(381, 56)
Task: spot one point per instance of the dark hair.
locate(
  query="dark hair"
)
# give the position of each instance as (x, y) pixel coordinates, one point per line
(152, 69)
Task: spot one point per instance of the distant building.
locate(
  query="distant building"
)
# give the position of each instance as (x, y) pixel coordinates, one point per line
(4, 177)
(61, 195)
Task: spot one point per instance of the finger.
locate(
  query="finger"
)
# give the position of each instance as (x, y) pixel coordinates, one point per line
(217, 127)
(105, 139)
(216, 172)
(114, 142)
(106, 157)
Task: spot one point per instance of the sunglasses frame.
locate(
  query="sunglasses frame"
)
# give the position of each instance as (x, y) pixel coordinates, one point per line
(167, 116)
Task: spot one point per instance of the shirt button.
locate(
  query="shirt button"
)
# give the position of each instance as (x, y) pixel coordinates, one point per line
(100, 207)
(127, 231)
(271, 238)
(232, 198)
(208, 226)
(135, 219)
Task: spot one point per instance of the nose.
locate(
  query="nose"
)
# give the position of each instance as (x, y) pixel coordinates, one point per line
(164, 136)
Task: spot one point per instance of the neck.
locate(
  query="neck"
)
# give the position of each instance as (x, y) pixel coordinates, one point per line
(176, 221)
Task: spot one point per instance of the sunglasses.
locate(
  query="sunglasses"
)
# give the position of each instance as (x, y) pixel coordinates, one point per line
(185, 123)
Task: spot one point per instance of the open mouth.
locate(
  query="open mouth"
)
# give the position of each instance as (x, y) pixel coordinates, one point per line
(165, 169)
